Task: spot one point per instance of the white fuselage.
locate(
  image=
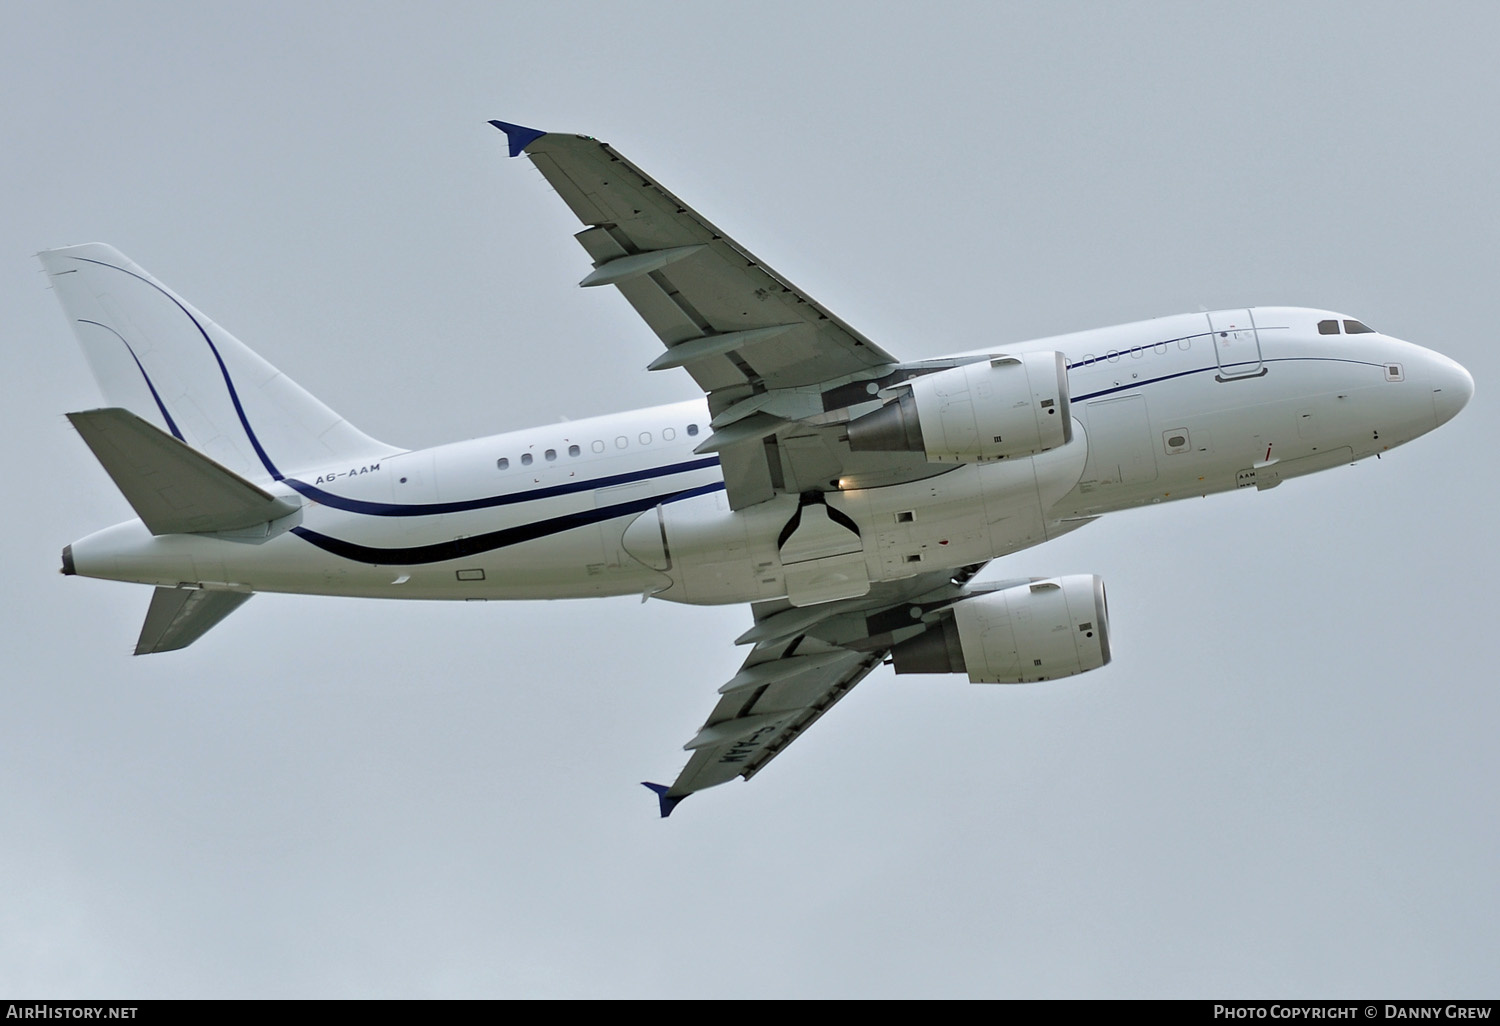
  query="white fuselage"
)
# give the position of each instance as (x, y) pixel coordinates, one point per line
(1163, 409)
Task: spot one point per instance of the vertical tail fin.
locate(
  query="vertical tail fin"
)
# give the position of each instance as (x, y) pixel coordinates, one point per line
(159, 358)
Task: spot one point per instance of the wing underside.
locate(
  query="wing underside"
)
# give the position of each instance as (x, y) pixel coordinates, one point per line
(775, 702)
(762, 349)
(804, 660)
(725, 316)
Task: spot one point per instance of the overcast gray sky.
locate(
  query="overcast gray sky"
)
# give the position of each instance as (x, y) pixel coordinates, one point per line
(1285, 784)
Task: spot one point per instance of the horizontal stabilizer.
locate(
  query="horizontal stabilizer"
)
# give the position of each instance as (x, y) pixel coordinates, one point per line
(180, 616)
(172, 487)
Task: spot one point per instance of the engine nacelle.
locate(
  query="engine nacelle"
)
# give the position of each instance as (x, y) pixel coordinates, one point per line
(997, 408)
(1052, 627)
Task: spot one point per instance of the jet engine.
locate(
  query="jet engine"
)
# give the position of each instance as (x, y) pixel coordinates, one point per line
(1051, 627)
(997, 408)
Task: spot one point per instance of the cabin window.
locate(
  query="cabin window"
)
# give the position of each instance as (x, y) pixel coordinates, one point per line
(551, 455)
(692, 430)
(503, 463)
(573, 450)
(525, 459)
(645, 438)
(1328, 327)
(1357, 328)
(667, 434)
(621, 442)
(598, 445)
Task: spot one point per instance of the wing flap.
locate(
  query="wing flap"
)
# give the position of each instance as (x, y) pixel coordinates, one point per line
(172, 487)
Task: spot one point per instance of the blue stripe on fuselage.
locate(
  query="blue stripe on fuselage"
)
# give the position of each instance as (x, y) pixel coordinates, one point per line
(440, 552)
(425, 509)
(1202, 370)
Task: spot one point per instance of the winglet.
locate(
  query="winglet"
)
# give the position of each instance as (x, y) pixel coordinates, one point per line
(518, 136)
(667, 804)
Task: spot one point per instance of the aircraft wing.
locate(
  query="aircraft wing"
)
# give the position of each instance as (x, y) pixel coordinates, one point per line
(763, 350)
(804, 660)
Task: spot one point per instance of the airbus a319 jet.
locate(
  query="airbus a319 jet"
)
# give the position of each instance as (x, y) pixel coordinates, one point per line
(850, 497)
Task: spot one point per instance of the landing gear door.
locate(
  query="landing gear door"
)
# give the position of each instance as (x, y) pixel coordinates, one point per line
(1236, 344)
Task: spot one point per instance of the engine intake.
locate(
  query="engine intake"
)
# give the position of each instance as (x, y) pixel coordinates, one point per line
(998, 408)
(1050, 628)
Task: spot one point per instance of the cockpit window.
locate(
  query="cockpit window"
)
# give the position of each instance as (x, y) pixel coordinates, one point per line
(1356, 328)
(1328, 327)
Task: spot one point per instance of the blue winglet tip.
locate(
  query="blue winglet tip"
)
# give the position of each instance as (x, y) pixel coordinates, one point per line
(518, 136)
(667, 804)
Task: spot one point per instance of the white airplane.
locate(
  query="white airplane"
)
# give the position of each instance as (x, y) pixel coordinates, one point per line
(851, 497)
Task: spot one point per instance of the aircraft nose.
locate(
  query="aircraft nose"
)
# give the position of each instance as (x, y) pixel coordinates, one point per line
(1452, 388)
